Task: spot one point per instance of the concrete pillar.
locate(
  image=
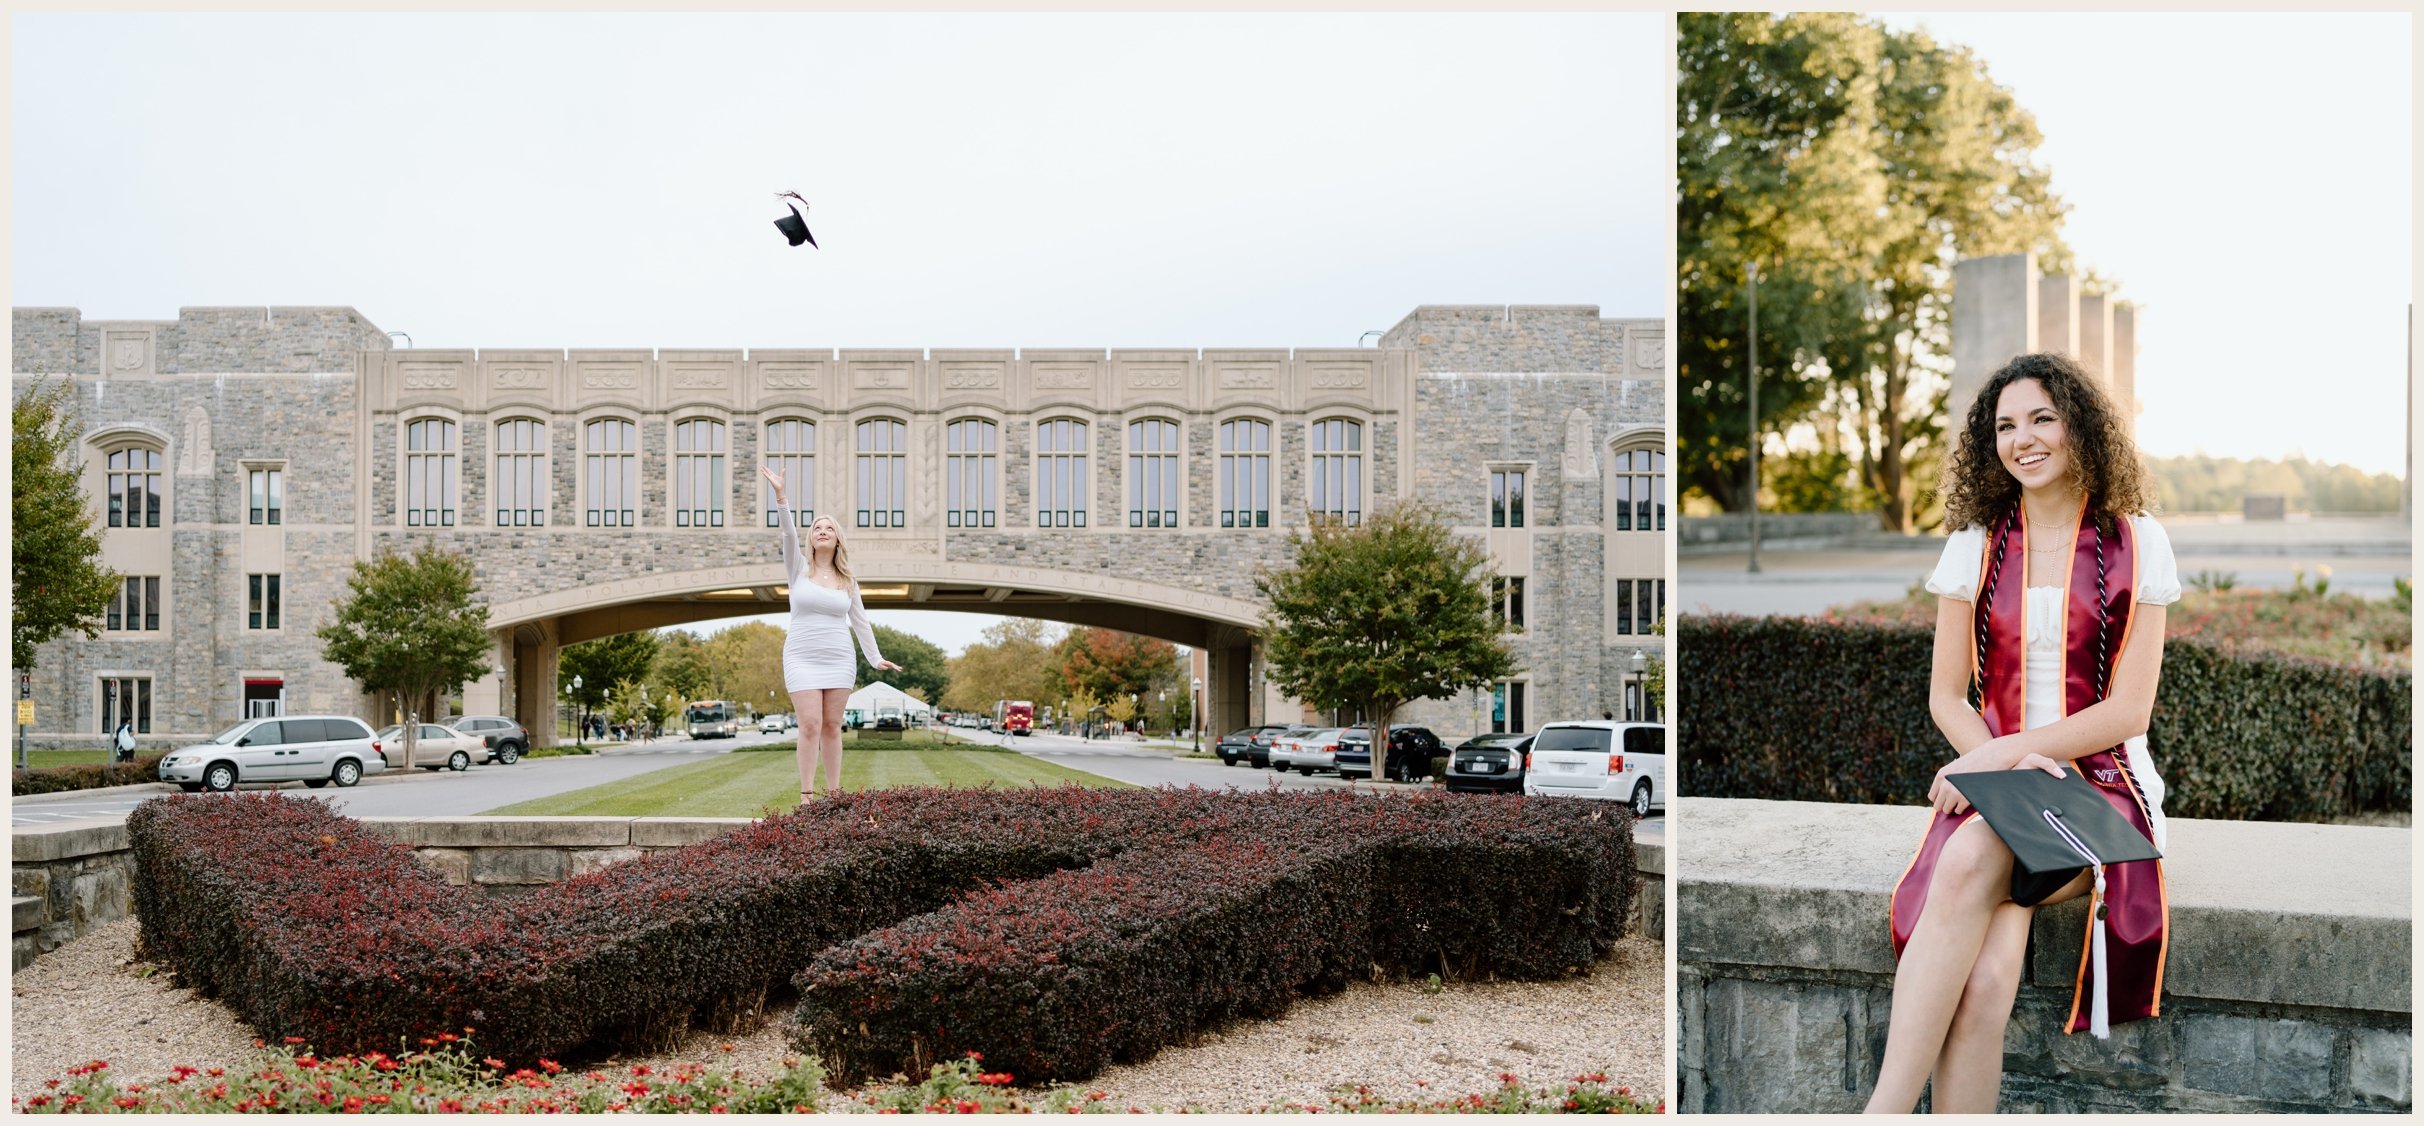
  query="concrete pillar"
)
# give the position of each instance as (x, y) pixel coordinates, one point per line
(2124, 384)
(2058, 314)
(2096, 337)
(534, 681)
(1994, 319)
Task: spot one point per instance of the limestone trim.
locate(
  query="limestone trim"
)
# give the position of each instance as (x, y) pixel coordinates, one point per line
(123, 434)
(874, 568)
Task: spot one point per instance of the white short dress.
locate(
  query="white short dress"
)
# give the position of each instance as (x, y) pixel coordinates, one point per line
(1956, 577)
(817, 652)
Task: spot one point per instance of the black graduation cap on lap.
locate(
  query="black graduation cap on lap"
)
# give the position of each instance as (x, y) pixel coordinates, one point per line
(2052, 825)
(795, 225)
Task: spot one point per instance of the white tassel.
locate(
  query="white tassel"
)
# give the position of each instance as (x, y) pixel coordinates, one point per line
(2099, 1010)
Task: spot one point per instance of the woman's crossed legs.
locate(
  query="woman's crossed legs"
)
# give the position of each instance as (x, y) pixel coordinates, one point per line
(1959, 974)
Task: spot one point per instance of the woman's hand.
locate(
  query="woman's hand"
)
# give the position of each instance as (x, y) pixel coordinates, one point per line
(773, 477)
(2040, 762)
(887, 666)
(1993, 754)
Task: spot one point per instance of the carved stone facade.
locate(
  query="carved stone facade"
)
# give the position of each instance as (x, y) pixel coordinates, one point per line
(388, 449)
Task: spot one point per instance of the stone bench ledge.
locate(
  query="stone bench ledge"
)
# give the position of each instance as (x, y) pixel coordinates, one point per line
(2266, 912)
(61, 840)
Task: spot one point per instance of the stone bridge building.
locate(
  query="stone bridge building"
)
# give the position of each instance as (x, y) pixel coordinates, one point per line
(241, 459)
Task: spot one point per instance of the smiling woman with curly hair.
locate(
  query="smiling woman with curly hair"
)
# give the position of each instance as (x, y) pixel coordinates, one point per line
(2051, 596)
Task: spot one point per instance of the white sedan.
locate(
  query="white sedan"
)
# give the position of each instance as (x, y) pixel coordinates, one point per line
(1309, 753)
(1597, 758)
(435, 748)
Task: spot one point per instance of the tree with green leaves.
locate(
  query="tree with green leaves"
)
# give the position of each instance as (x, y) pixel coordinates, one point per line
(59, 583)
(1852, 166)
(1379, 615)
(1013, 662)
(681, 663)
(924, 669)
(414, 625)
(603, 665)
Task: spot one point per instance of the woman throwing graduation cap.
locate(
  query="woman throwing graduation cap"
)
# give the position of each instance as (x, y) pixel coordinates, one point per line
(825, 612)
(2051, 600)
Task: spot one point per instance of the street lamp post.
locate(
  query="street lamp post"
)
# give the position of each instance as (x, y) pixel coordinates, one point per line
(1195, 703)
(1753, 356)
(580, 718)
(1641, 665)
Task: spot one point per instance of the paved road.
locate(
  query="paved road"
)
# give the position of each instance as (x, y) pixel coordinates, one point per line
(440, 793)
(445, 793)
(1129, 761)
(1808, 582)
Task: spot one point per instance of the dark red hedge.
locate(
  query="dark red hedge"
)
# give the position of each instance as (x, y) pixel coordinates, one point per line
(1054, 930)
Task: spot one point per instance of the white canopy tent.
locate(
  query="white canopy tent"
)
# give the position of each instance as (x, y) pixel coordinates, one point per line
(873, 699)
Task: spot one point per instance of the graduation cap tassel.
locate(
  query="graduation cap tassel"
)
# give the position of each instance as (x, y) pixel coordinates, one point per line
(2099, 1009)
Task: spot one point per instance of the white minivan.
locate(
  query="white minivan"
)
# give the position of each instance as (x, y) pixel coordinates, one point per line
(1599, 758)
(312, 749)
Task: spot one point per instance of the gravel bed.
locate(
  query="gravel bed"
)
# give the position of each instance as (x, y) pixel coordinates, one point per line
(89, 1000)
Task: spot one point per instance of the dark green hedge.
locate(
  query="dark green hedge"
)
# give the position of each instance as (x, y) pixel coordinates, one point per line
(86, 776)
(1805, 709)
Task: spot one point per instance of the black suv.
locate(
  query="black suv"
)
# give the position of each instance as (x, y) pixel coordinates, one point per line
(1410, 752)
(506, 739)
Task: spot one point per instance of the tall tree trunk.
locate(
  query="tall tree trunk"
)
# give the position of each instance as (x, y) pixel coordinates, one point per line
(1893, 511)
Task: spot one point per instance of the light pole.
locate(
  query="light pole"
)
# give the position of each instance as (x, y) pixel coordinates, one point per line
(1754, 359)
(1195, 703)
(1162, 700)
(580, 719)
(1641, 665)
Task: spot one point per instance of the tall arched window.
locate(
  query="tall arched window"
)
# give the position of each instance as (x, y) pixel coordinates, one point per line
(790, 451)
(519, 482)
(1060, 473)
(610, 468)
(883, 473)
(1334, 490)
(1153, 473)
(1245, 473)
(134, 487)
(432, 478)
(970, 472)
(1640, 490)
(698, 473)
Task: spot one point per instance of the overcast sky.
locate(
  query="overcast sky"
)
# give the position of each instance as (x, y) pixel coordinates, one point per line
(2248, 179)
(595, 181)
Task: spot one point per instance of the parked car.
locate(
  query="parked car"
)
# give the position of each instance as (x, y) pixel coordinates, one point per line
(312, 749)
(1489, 764)
(1599, 758)
(1309, 753)
(436, 748)
(1272, 735)
(774, 724)
(1243, 745)
(1410, 752)
(505, 740)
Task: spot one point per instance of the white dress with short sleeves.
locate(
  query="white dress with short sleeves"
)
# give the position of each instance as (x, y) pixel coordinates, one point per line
(817, 652)
(1956, 577)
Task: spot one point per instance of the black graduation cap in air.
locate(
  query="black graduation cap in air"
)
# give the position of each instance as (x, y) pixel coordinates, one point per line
(795, 225)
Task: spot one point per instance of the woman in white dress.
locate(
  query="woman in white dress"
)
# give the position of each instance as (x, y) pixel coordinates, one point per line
(2051, 600)
(826, 612)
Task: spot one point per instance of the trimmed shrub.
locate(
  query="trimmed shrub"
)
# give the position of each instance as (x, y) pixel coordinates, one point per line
(1055, 978)
(85, 776)
(1806, 709)
(312, 926)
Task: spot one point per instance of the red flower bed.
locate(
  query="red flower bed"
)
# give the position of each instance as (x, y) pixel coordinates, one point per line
(312, 926)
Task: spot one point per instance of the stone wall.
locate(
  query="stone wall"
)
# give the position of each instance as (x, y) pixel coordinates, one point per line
(2287, 985)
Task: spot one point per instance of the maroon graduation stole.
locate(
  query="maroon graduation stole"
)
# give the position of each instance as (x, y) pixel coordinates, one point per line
(2098, 613)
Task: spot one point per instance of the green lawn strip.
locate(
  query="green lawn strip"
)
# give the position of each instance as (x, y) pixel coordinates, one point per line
(37, 760)
(746, 785)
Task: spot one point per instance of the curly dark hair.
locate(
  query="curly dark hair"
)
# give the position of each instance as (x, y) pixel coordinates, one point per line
(2104, 463)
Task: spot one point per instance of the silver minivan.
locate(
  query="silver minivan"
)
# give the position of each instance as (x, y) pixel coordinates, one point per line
(1597, 758)
(312, 749)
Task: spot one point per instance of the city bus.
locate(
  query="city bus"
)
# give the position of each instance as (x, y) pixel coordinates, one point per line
(711, 719)
(1014, 717)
